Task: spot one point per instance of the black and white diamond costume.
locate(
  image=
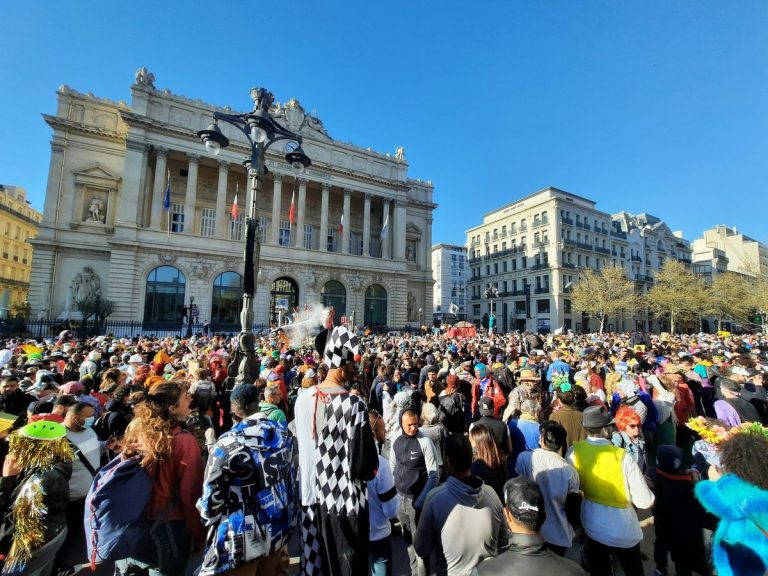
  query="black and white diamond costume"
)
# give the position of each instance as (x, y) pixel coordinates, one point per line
(337, 456)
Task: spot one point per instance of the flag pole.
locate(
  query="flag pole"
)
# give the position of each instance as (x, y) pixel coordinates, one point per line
(168, 211)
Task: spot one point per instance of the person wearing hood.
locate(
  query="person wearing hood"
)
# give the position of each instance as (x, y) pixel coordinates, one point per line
(414, 463)
(462, 501)
(527, 555)
(260, 486)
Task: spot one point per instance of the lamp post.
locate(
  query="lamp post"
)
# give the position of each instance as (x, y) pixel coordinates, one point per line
(261, 131)
(492, 292)
(190, 316)
(98, 311)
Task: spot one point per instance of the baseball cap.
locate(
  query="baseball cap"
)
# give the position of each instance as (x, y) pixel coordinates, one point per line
(485, 406)
(524, 500)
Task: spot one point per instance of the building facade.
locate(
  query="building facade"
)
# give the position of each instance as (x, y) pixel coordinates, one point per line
(449, 269)
(532, 251)
(19, 224)
(744, 255)
(106, 230)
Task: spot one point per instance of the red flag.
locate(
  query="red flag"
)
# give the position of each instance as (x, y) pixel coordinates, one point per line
(292, 212)
(341, 225)
(234, 208)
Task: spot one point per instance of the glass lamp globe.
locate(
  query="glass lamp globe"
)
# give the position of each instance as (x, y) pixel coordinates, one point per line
(212, 147)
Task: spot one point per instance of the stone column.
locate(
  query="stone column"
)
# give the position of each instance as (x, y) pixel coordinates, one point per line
(366, 224)
(277, 199)
(300, 206)
(324, 218)
(157, 212)
(386, 242)
(347, 222)
(426, 251)
(55, 182)
(221, 200)
(191, 195)
(128, 205)
(399, 229)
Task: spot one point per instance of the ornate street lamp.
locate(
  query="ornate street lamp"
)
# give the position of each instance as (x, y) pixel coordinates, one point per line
(262, 131)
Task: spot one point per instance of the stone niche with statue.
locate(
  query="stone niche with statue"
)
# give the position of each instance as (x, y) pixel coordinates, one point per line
(95, 198)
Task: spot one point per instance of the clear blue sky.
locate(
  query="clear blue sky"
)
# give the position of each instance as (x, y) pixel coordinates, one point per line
(653, 106)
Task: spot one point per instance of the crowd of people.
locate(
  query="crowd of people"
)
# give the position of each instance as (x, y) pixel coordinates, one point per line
(495, 454)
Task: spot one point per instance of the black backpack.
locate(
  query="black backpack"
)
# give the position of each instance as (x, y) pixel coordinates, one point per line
(451, 409)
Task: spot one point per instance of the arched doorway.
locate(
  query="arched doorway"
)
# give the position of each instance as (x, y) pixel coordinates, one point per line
(285, 291)
(226, 300)
(335, 294)
(375, 312)
(164, 296)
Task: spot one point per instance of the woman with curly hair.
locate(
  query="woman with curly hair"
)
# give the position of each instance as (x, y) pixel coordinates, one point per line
(172, 457)
(488, 463)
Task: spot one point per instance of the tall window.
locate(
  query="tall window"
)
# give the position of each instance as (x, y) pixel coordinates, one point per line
(227, 294)
(208, 222)
(236, 227)
(333, 237)
(356, 243)
(164, 299)
(334, 294)
(177, 217)
(308, 236)
(263, 226)
(284, 238)
(375, 313)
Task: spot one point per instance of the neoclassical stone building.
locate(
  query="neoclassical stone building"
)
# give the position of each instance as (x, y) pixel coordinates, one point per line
(105, 229)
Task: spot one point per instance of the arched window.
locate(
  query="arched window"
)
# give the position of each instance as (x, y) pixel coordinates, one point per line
(334, 294)
(375, 313)
(285, 295)
(164, 299)
(227, 298)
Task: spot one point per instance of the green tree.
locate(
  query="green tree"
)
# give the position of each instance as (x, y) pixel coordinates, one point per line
(678, 294)
(757, 286)
(604, 293)
(22, 310)
(729, 297)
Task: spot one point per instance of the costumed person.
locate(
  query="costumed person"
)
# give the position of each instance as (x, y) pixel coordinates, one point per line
(34, 493)
(737, 493)
(337, 456)
(484, 385)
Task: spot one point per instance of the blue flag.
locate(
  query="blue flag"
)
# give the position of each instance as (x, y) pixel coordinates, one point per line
(167, 197)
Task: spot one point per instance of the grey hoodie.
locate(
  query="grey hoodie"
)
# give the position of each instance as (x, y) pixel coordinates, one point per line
(448, 511)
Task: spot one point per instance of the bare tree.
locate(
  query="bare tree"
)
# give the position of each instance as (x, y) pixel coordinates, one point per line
(677, 294)
(604, 293)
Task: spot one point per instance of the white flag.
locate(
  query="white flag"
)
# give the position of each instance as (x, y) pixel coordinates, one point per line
(385, 227)
(453, 308)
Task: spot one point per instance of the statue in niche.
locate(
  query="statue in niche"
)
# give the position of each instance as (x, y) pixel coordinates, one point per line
(145, 78)
(410, 251)
(86, 285)
(400, 153)
(96, 210)
(412, 313)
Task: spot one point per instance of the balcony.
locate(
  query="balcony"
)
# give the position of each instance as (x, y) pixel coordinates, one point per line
(603, 250)
(569, 242)
(564, 220)
(584, 245)
(540, 266)
(523, 228)
(636, 259)
(541, 290)
(511, 293)
(568, 265)
(685, 259)
(619, 234)
(475, 297)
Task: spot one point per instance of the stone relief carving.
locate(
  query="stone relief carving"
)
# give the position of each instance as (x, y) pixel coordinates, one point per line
(145, 78)
(201, 269)
(167, 258)
(85, 285)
